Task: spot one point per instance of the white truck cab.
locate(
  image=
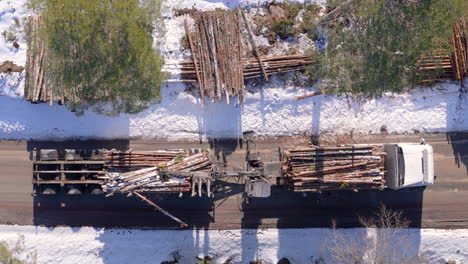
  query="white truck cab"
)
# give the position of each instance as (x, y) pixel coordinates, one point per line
(409, 165)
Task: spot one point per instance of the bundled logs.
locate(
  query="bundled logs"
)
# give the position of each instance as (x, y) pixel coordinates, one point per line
(196, 162)
(251, 66)
(148, 180)
(435, 67)
(459, 43)
(274, 65)
(174, 160)
(133, 160)
(149, 171)
(39, 85)
(334, 168)
(448, 64)
(216, 46)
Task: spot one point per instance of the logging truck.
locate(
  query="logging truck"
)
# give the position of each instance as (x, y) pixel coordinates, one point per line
(299, 169)
(358, 167)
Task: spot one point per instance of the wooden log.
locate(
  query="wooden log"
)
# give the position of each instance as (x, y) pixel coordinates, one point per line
(182, 224)
(309, 95)
(254, 46)
(40, 72)
(194, 58)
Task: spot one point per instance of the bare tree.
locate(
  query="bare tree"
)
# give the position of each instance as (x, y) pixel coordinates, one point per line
(11, 254)
(383, 240)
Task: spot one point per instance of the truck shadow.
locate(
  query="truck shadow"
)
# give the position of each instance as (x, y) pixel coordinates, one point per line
(459, 148)
(119, 211)
(292, 212)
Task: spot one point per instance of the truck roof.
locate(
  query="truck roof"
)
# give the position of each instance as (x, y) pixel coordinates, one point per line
(418, 164)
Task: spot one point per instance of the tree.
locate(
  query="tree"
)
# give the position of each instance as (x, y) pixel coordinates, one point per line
(383, 241)
(373, 45)
(9, 255)
(103, 52)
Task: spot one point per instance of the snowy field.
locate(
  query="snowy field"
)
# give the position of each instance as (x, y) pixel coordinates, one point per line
(91, 245)
(270, 111)
(300, 246)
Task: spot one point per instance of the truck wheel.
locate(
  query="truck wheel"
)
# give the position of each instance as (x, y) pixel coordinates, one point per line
(49, 191)
(73, 189)
(95, 190)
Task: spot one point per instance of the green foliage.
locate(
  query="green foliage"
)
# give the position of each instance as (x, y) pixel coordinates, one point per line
(289, 26)
(9, 255)
(283, 28)
(373, 46)
(9, 36)
(103, 50)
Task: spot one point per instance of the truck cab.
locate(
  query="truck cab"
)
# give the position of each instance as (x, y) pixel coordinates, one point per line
(409, 165)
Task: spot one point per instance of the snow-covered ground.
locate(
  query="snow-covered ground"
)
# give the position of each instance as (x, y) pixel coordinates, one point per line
(269, 109)
(301, 246)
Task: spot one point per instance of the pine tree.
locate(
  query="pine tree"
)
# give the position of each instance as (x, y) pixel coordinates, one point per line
(373, 45)
(104, 50)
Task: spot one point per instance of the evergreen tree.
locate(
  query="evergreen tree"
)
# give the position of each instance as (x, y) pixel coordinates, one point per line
(373, 45)
(103, 50)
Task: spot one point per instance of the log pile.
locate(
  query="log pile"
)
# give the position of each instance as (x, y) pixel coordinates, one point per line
(196, 162)
(145, 171)
(133, 160)
(276, 64)
(173, 160)
(334, 168)
(251, 66)
(447, 64)
(37, 87)
(459, 43)
(217, 54)
(435, 67)
(147, 180)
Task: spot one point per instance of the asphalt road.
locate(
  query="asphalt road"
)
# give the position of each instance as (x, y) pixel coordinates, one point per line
(442, 205)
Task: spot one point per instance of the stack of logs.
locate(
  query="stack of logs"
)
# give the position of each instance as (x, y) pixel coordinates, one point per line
(147, 180)
(334, 168)
(195, 162)
(37, 87)
(452, 64)
(459, 43)
(133, 160)
(251, 66)
(144, 171)
(217, 53)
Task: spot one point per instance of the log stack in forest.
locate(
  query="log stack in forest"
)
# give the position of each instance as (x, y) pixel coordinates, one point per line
(216, 46)
(448, 64)
(334, 168)
(251, 66)
(39, 85)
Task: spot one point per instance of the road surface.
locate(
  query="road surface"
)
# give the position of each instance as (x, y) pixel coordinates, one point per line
(443, 205)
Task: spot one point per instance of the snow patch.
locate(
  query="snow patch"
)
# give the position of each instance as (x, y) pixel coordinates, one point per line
(269, 110)
(96, 245)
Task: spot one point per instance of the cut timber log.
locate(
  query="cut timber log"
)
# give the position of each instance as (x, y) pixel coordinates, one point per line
(309, 95)
(182, 224)
(254, 46)
(317, 168)
(195, 62)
